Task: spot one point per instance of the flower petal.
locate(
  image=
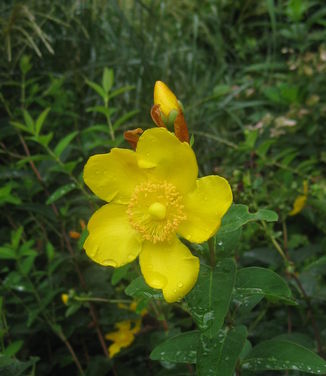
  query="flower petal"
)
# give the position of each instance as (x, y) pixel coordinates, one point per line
(114, 175)
(166, 158)
(111, 240)
(205, 207)
(170, 267)
(298, 205)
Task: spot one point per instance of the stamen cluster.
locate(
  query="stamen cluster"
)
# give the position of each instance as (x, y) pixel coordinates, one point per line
(153, 228)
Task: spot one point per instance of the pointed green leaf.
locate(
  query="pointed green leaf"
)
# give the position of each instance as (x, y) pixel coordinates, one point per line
(208, 302)
(238, 215)
(219, 355)
(121, 91)
(40, 120)
(100, 91)
(119, 273)
(60, 192)
(108, 112)
(7, 253)
(13, 348)
(122, 119)
(21, 127)
(283, 355)
(28, 120)
(181, 348)
(43, 140)
(107, 79)
(62, 144)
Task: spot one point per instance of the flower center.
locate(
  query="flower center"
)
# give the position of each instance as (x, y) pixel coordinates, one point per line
(156, 210)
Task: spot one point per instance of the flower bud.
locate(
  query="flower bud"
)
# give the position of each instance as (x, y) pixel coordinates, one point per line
(64, 298)
(165, 98)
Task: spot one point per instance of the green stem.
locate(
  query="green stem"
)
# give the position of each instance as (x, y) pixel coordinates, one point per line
(211, 247)
(275, 243)
(108, 120)
(102, 300)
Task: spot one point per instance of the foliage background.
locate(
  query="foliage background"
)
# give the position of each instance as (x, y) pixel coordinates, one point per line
(251, 75)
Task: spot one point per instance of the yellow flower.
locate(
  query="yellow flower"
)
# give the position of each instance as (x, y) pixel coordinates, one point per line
(64, 298)
(154, 195)
(300, 201)
(164, 97)
(123, 337)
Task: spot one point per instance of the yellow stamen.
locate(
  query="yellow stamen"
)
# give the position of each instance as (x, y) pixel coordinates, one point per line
(155, 210)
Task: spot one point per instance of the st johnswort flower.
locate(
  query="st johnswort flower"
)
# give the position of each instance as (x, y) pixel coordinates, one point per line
(124, 336)
(154, 197)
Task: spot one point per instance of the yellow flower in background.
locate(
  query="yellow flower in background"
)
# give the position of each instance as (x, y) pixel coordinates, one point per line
(300, 201)
(64, 298)
(154, 197)
(164, 97)
(123, 337)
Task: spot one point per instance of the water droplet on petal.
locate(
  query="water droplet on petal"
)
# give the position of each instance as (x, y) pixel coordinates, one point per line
(109, 262)
(156, 280)
(91, 252)
(130, 257)
(180, 284)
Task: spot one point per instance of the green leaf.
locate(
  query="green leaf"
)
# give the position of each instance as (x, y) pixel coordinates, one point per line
(50, 251)
(32, 158)
(16, 236)
(100, 91)
(139, 289)
(181, 348)
(119, 273)
(121, 90)
(226, 242)
(219, 355)
(96, 128)
(43, 140)
(238, 215)
(62, 144)
(13, 348)
(60, 192)
(27, 264)
(25, 64)
(28, 120)
(208, 302)
(7, 253)
(40, 120)
(283, 355)
(261, 281)
(108, 112)
(107, 79)
(14, 367)
(21, 127)
(122, 119)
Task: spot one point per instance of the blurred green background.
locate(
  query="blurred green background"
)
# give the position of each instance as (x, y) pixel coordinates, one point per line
(251, 77)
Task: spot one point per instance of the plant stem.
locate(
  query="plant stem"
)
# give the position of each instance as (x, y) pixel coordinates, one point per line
(211, 246)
